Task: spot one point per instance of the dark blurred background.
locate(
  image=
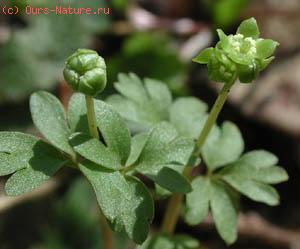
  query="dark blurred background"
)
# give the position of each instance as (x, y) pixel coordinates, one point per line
(158, 39)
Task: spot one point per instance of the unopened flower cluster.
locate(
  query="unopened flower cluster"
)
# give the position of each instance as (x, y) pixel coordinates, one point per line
(241, 56)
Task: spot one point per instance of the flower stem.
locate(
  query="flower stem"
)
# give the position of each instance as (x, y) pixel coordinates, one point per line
(107, 236)
(173, 209)
(175, 203)
(172, 214)
(212, 118)
(91, 116)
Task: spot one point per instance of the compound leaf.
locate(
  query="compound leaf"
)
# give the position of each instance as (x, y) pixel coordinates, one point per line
(252, 173)
(223, 147)
(142, 104)
(164, 148)
(30, 159)
(49, 117)
(125, 201)
(188, 116)
(95, 151)
(112, 127)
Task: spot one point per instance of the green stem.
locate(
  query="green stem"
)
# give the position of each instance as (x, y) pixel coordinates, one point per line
(91, 116)
(175, 203)
(107, 236)
(212, 118)
(172, 214)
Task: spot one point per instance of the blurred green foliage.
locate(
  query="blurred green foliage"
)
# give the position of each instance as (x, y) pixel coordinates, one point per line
(150, 55)
(33, 57)
(226, 12)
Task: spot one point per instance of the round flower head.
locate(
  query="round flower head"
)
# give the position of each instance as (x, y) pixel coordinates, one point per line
(242, 55)
(85, 72)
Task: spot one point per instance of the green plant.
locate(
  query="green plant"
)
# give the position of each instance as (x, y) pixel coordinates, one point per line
(170, 139)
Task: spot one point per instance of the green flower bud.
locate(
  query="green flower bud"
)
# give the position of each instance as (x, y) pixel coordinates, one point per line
(85, 72)
(242, 55)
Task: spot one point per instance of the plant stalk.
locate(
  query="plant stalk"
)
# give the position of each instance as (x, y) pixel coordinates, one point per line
(91, 116)
(175, 203)
(172, 214)
(107, 235)
(173, 209)
(212, 118)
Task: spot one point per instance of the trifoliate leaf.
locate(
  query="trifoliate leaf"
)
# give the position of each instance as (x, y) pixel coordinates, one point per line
(113, 129)
(95, 151)
(197, 201)
(224, 211)
(33, 160)
(265, 48)
(49, 117)
(208, 192)
(165, 148)
(10, 163)
(249, 28)
(16, 151)
(188, 116)
(251, 174)
(141, 103)
(223, 147)
(174, 242)
(204, 56)
(142, 112)
(124, 201)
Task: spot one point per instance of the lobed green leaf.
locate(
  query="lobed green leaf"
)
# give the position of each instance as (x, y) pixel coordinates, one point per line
(30, 159)
(49, 117)
(188, 116)
(113, 129)
(252, 173)
(125, 201)
(162, 148)
(223, 147)
(95, 151)
(197, 201)
(224, 211)
(142, 104)
(254, 190)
